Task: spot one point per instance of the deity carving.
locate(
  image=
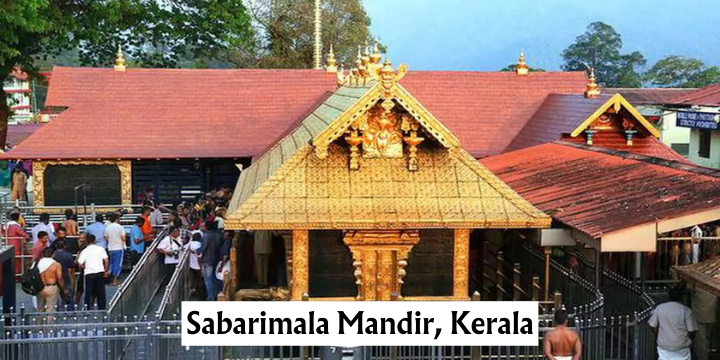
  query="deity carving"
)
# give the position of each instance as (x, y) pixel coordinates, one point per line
(381, 132)
(382, 135)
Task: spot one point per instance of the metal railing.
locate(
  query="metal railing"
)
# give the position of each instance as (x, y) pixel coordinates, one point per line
(134, 295)
(177, 290)
(154, 340)
(580, 297)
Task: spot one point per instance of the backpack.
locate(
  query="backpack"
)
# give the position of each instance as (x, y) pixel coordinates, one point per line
(31, 282)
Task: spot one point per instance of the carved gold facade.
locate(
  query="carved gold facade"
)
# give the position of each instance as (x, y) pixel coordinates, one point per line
(380, 258)
(38, 172)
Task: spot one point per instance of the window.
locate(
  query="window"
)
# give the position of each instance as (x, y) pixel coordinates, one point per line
(681, 148)
(705, 138)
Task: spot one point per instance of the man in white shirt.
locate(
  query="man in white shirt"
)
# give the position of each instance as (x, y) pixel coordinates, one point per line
(697, 233)
(171, 246)
(43, 225)
(674, 327)
(94, 260)
(195, 268)
(115, 237)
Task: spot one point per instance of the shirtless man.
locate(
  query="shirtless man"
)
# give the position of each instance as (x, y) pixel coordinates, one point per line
(562, 343)
(51, 275)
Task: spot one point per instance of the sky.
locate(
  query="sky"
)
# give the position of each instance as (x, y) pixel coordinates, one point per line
(487, 35)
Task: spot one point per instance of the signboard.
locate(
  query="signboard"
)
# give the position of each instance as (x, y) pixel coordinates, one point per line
(698, 120)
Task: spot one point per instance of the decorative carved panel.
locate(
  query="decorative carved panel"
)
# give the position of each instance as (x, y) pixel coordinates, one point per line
(124, 166)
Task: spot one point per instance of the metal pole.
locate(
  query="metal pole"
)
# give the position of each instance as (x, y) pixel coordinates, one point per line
(548, 250)
(598, 265)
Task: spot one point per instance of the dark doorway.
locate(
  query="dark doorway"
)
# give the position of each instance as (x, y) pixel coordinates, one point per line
(430, 265)
(331, 266)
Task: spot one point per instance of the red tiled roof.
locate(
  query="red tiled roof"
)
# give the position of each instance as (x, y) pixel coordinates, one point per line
(17, 133)
(172, 113)
(175, 113)
(599, 191)
(649, 96)
(486, 110)
(558, 115)
(643, 145)
(709, 96)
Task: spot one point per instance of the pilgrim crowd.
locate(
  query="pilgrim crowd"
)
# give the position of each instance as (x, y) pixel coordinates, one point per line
(76, 265)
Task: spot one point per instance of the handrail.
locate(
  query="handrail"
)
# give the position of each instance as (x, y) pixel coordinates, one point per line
(149, 258)
(580, 309)
(621, 281)
(179, 278)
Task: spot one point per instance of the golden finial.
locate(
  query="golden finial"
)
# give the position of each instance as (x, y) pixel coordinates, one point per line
(331, 63)
(341, 77)
(387, 68)
(375, 57)
(522, 68)
(361, 64)
(119, 60)
(592, 90)
(358, 59)
(366, 55)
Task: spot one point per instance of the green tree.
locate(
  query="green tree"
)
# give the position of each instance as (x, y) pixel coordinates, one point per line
(285, 31)
(678, 71)
(154, 33)
(599, 47)
(513, 67)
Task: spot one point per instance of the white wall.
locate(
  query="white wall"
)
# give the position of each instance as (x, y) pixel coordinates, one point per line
(714, 160)
(670, 132)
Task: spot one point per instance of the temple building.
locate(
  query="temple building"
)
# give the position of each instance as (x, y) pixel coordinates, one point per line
(183, 132)
(370, 178)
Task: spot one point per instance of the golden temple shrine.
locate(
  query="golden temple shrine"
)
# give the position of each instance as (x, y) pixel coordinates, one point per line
(372, 168)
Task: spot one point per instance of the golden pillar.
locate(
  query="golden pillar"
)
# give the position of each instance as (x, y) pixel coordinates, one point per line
(461, 263)
(300, 270)
(379, 259)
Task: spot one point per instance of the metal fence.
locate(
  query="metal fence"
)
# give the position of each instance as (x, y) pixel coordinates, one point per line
(101, 341)
(579, 296)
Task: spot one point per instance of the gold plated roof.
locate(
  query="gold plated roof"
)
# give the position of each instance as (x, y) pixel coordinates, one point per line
(316, 177)
(450, 189)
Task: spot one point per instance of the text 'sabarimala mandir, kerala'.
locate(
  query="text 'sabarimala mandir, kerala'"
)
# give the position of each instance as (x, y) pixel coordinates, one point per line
(360, 323)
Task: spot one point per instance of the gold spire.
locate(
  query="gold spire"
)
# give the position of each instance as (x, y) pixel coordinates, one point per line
(375, 57)
(358, 59)
(331, 63)
(592, 90)
(387, 68)
(119, 60)
(366, 55)
(522, 68)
